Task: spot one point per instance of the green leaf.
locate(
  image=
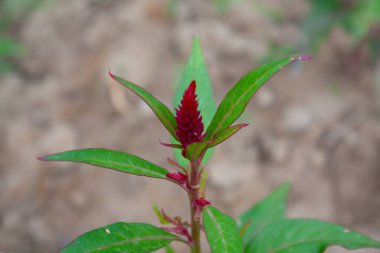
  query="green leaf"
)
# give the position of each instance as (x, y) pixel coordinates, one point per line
(159, 214)
(234, 103)
(225, 134)
(6, 67)
(194, 150)
(10, 48)
(121, 237)
(161, 110)
(359, 19)
(195, 69)
(323, 16)
(110, 159)
(223, 5)
(268, 210)
(311, 236)
(222, 232)
(169, 249)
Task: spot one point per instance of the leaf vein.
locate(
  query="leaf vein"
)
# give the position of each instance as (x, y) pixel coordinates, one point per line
(219, 229)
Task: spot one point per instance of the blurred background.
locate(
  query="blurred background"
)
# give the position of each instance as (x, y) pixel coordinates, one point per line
(316, 124)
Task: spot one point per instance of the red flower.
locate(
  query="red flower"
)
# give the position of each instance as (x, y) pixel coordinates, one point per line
(189, 119)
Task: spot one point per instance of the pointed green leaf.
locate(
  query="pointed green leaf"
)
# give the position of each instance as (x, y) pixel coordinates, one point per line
(268, 210)
(234, 103)
(110, 159)
(311, 236)
(121, 237)
(161, 110)
(195, 69)
(159, 215)
(223, 135)
(221, 231)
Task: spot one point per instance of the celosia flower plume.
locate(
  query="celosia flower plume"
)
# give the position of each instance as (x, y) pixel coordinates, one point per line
(189, 119)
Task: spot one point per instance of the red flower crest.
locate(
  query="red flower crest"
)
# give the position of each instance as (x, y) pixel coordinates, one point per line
(189, 119)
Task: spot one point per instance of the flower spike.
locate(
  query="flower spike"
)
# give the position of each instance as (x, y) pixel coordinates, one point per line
(189, 120)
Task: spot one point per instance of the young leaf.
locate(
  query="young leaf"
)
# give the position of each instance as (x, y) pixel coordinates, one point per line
(122, 237)
(302, 235)
(195, 149)
(110, 159)
(268, 210)
(225, 134)
(162, 111)
(221, 231)
(234, 103)
(195, 69)
(159, 214)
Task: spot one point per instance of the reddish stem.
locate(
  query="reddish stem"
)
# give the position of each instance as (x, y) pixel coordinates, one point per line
(195, 214)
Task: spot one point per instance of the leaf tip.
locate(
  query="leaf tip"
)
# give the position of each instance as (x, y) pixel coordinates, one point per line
(196, 39)
(111, 74)
(302, 57)
(170, 145)
(41, 158)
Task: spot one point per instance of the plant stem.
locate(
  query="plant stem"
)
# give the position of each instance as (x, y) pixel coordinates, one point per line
(194, 195)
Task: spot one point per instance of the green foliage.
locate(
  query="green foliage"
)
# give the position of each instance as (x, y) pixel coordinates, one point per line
(122, 237)
(171, 7)
(224, 134)
(194, 150)
(312, 236)
(10, 50)
(12, 12)
(356, 18)
(269, 210)
(361, 17)
(222, 232)
(323, 15)
(161, 110)
(159, 214)
(169, 249)
(269, 230)
(9, 47)
(234, 103)
(263, 228)
(223, 5)
(111, 159)
(196, 69)
(16, 10)
(275, 15)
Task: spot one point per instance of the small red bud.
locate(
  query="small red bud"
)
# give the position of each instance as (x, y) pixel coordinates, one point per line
(179, 177)
(200, 203)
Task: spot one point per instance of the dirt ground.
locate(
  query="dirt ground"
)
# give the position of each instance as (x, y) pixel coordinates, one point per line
(315, 124)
